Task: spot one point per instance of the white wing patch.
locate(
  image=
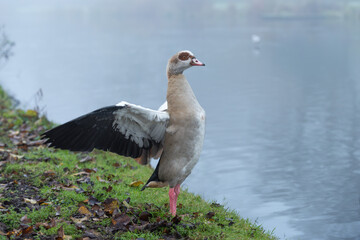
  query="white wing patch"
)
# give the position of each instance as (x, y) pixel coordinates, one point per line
(142, 124)
(163, 107)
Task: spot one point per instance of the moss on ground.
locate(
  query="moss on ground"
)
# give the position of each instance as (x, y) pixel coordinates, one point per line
(47, 193)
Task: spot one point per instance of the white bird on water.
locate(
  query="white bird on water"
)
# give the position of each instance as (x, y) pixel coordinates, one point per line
(255, 38)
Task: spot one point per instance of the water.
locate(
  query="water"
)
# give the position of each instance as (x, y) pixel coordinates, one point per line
(283, 137)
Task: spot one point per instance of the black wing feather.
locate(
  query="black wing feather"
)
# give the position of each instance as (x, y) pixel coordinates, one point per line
(94, 130)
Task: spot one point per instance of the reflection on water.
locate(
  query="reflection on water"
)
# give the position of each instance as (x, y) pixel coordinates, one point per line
(283, 135)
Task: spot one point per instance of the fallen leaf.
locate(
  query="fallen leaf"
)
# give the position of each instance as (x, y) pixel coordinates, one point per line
(84, 210)
(42, 200)
(58, 211)
(88, 170)
(27, 230)
(87, 159)
(15, 156)
(101, 180)
(13, 133)
(25, 220)
(92, 201)
(209, 215)
(85, 179)
(80, 173)
(108, 189)
(22, 145)
(49, 173)
(46, 225)
(97, 210)
(32, 201)
(79, 220)
(122, 219)
(10, 233)
(92, 234)
(117, 165)
(70, 188)
(136, 183)
(126, 204)
(35, 143)
(176, 220)
(110, 204)
(60, 233)
(3, 163)
(145, 216)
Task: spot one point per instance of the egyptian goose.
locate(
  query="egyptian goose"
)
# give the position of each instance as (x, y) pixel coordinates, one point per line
(175, 132)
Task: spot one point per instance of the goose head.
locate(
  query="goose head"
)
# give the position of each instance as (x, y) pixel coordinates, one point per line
(182, 61)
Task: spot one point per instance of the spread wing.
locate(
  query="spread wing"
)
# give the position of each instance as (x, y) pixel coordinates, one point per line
(125, 129)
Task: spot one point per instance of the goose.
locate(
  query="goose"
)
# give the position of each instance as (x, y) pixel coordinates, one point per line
(174, 133)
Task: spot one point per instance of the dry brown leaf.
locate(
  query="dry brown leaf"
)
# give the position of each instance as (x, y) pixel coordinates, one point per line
(136, 183)
(10, 233)
(25, 220)
(60, 233)
(28, 200)
(126, 204)
(49, 173)
(87, 159)
(209, 215)
(13, 133)
(79, 220)
(27, 230)
(108, 189)
(70, 188)
(84, 210)
(117, 165)
(42, 200)
(122, 219)
(89, 170)
(15, 156)
(80, 173)
(3, 163)
(110, 204)
(100, 179)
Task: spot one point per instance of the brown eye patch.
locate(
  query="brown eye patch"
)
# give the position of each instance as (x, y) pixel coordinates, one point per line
(184, 56)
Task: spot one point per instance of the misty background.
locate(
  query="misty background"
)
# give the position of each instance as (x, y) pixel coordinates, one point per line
(280, 89)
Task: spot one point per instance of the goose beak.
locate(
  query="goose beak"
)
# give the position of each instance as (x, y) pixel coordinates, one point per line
(195, 62)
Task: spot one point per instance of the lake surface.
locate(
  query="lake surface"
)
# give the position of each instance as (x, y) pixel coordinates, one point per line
(283, 122)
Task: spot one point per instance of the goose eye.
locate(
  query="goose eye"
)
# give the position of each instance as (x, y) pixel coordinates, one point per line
(184, 56)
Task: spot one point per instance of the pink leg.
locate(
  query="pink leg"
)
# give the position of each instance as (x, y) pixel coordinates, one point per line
(173, 196)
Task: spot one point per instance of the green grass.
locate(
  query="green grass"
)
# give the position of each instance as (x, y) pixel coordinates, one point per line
(53, 175)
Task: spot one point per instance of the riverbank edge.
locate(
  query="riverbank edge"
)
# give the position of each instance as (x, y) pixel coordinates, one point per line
(47, 193)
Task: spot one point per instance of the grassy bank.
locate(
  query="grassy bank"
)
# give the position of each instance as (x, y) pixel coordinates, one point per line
(55, 194)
